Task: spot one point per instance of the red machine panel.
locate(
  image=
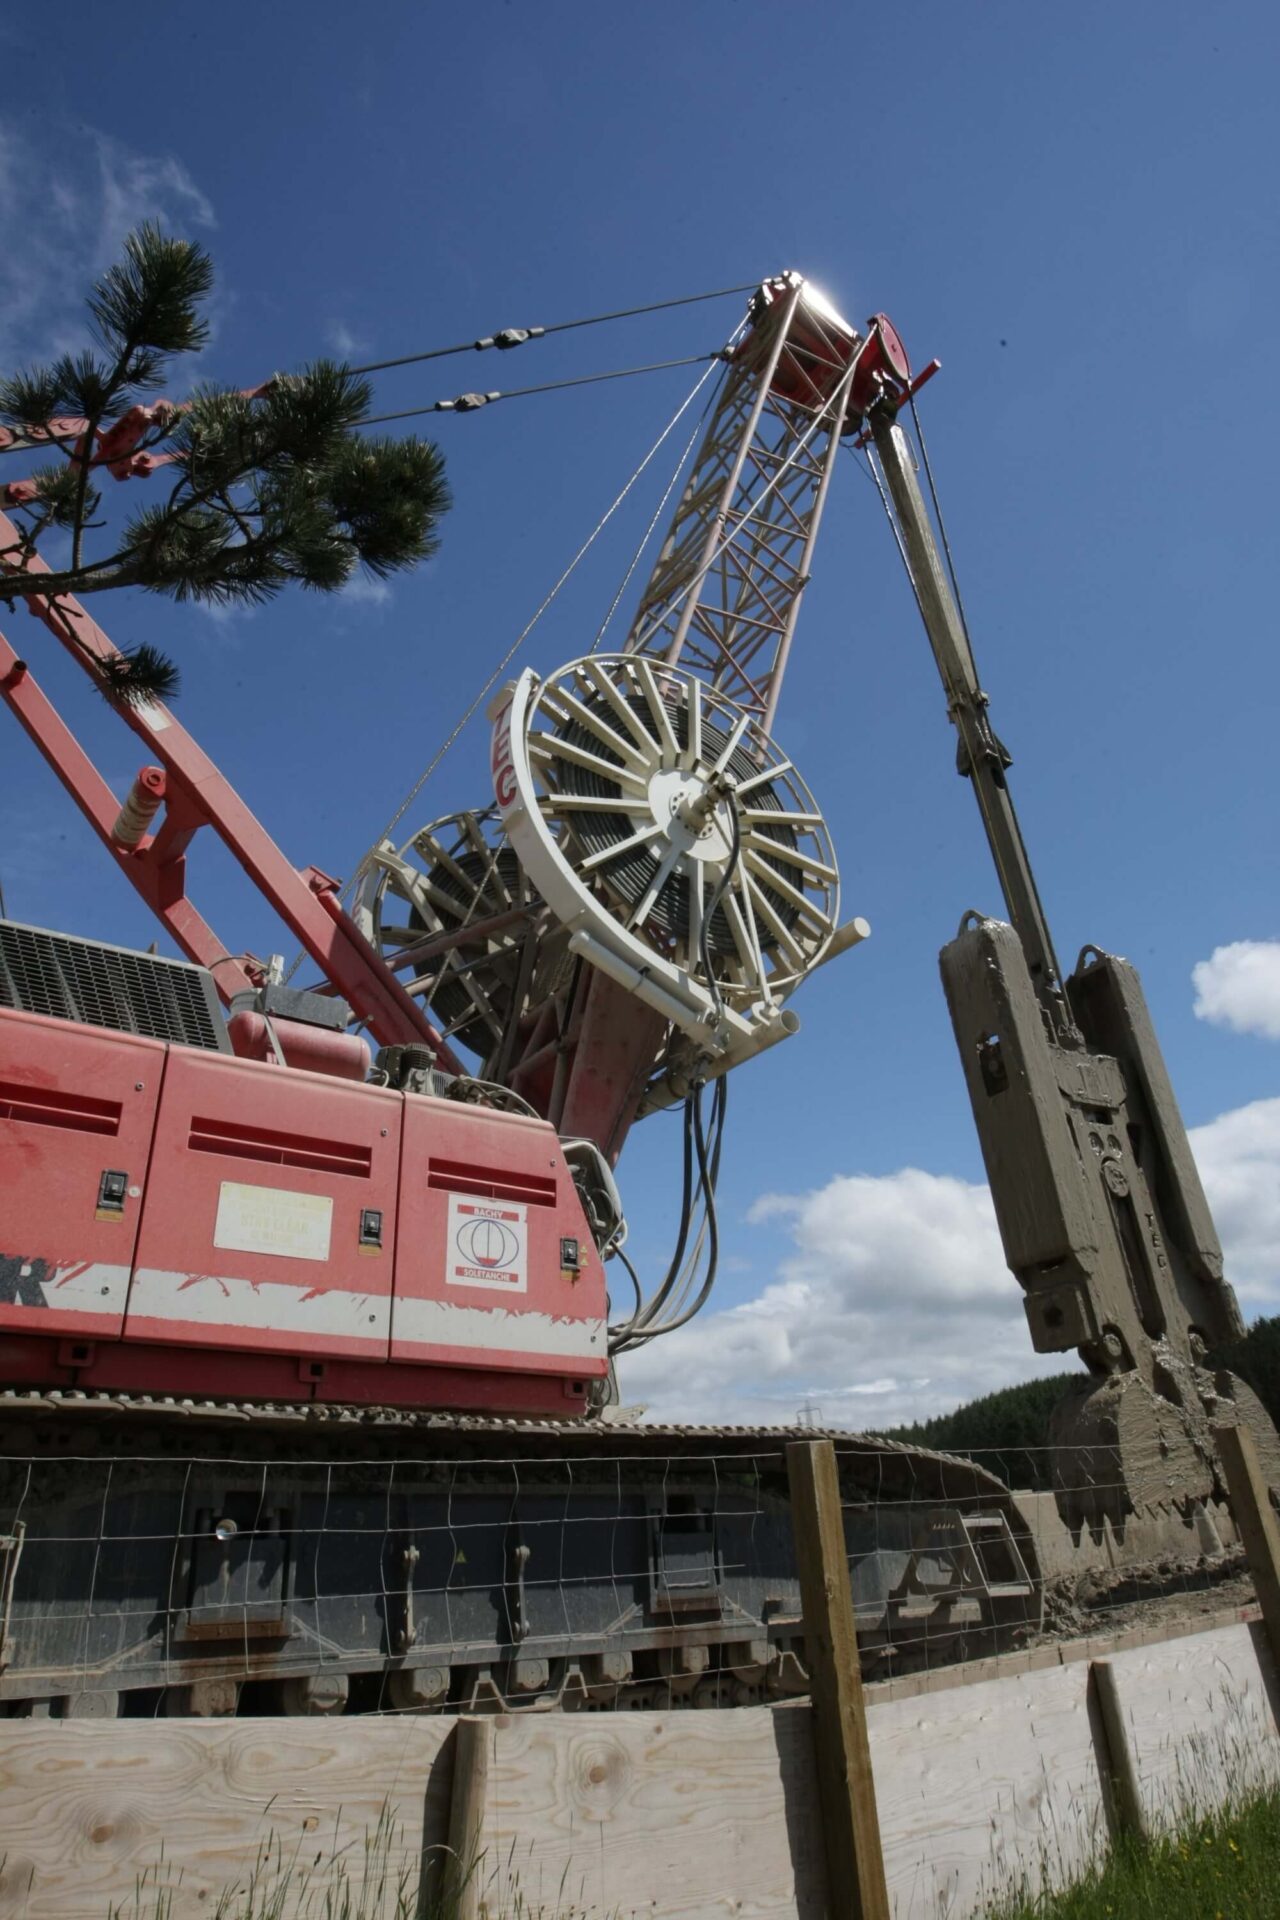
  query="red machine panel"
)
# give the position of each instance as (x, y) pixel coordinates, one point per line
(77, 1115)
(270, 1215)
(494, 1264)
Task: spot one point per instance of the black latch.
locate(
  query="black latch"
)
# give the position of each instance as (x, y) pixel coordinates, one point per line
(112, 1189)
(371, 1227)
(570, 1256)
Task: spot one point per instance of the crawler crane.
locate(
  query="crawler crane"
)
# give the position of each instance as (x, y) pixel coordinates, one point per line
(304, 1347)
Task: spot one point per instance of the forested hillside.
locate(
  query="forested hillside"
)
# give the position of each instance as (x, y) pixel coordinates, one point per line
(1009, 1430)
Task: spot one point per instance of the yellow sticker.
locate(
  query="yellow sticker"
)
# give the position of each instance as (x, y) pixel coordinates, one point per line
(273, 1220)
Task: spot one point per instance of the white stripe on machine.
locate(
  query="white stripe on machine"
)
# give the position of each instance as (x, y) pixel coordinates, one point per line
(442, 1323)
(78, 1286)
(225, 1301)
(271, 1305)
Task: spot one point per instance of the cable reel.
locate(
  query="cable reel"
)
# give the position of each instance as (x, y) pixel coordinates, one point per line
(668, 833)
(449, 910)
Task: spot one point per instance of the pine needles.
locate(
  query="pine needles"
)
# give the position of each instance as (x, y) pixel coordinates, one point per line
(265, 489)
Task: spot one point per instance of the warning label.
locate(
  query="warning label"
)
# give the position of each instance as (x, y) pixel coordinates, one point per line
(488, 1244)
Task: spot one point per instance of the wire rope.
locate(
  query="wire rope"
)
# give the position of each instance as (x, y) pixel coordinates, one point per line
(507, 337)
(473, 402)
(658, 512)
(942, 529)
(872, 471)
(894, 528)
(476, 704)
(525, 631)
(834, 409)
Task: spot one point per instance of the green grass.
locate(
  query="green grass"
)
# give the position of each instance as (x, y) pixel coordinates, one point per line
(369, 1881)
(379, 1877)
(1218, 1866)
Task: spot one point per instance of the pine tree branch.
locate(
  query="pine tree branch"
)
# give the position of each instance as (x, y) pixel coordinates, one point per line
(96, 576)
(270, 487)
(90, 440)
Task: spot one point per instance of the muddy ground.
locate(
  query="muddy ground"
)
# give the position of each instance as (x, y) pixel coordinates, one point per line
(1162, 1593)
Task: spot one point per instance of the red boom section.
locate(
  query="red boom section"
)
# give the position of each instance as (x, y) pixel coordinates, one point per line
(198, 795)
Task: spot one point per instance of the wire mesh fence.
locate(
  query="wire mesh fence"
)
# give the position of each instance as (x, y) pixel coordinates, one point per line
(617, 1572)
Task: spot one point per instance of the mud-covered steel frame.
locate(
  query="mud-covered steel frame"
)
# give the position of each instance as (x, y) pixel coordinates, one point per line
(198, 795)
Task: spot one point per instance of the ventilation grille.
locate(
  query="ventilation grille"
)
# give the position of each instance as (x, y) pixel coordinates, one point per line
(491, 1183)
(280, 1149)
(111, 987)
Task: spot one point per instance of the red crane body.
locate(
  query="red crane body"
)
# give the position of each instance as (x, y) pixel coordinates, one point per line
(191, 1222)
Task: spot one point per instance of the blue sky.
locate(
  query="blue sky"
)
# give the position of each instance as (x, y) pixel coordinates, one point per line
(1074, 210)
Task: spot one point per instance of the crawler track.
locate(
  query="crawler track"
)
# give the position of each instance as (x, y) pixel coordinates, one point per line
(220, 1557)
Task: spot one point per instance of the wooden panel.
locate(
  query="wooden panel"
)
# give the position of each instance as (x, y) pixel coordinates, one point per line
(978, 1784)
(86, 1806)
(1198, 1716)
(687, 1815)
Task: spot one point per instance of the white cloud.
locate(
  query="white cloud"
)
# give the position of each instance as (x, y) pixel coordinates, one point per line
(225, 614)
(361, 590)
(1238, 1155)
(895, 1302)
(133, 187)
(365, 590)
(1238, 986)
(343, 341)
(91, 191)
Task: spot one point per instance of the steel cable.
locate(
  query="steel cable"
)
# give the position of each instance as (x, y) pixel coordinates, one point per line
(476, 704)
(832, 409)
(660, 508)
(473, 402)
(503, 340)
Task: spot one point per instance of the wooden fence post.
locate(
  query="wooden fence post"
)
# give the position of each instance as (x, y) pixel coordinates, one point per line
(846, 1787)
(463, 1879)
(1255, 1517)
(1124, 1795)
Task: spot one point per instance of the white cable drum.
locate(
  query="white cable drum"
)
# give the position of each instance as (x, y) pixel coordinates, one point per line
(618, 779)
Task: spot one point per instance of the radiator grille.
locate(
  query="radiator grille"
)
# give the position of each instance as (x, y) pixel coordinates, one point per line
(112, 987)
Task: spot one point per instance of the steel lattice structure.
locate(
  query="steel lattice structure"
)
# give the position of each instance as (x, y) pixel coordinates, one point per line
(726, 588)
